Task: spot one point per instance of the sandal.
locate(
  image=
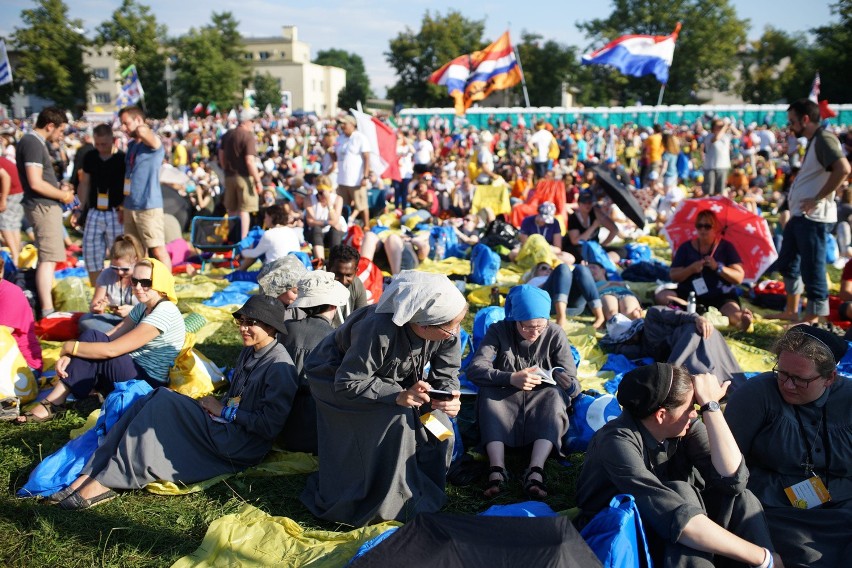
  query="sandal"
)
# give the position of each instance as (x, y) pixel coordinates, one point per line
(53, 410)
(496, 486)
(534, 488)
(75, 502)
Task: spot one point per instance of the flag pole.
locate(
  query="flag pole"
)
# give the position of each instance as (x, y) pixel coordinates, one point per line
(521, 68)
(659, 102)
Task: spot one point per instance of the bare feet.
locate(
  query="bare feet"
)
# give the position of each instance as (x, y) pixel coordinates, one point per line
(746, 319)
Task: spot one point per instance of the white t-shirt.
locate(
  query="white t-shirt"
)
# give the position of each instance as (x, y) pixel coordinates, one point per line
(423, 150)
(321, 213)
(275, 243)
(405, 153)
(540, 141)
(350, 159)
(717, 154)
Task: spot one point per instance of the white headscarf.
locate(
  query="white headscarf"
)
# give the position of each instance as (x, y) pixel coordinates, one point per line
(421, 298)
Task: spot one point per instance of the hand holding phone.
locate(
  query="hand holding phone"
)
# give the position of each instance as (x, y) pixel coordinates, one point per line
(436, 394)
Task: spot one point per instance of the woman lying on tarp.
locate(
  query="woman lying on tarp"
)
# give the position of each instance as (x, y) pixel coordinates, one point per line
(655, 450)
(142, 346)
(167, 436)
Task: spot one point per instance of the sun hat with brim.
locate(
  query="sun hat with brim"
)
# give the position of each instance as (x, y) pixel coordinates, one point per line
(620, 328)
(266, 309)
(347, 119)
(319, 288)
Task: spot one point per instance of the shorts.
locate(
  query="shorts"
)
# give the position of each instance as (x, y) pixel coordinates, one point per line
(147, 225)
(354, 196)
(48, 230)
(240, 195)
(409, 260)
(11, 218)
(716, 301)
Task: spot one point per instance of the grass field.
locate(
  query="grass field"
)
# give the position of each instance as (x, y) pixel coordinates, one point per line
(141, 529)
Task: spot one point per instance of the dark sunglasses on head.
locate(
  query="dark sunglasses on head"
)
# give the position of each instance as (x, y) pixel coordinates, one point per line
(707, 226)
(145, 282)
(245, 322)
(121, 268)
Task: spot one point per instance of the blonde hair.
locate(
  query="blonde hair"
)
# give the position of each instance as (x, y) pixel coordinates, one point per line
(126, 246)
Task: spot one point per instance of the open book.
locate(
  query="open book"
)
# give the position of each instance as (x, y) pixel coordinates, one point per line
(547, 376)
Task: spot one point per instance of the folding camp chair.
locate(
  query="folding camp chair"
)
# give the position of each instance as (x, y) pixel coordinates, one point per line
(215, 235)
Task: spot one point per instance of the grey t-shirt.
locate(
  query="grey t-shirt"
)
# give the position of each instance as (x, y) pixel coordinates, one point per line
(32, 151)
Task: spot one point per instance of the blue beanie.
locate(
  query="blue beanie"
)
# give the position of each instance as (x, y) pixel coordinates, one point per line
(527, 302)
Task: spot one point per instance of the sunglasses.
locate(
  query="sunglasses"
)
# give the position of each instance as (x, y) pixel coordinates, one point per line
(245, 322)
(146, 283)
(705, 226)
(121, 268)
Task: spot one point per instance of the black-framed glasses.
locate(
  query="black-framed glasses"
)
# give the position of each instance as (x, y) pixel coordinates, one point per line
(146, 283)
(706, 226)
(245, 322)
(798, 382)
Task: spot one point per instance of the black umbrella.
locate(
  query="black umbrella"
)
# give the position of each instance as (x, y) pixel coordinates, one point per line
(621, 195)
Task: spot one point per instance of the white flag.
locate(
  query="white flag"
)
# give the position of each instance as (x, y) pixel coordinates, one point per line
(5, 66)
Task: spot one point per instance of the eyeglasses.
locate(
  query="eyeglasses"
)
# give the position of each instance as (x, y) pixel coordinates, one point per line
(798, 382)
(245, 322)
(705, 226)
(146, 283)
(121, 268)
(447, 331)
(532, 328)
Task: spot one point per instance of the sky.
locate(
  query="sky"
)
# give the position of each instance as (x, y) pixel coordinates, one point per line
(365, 27)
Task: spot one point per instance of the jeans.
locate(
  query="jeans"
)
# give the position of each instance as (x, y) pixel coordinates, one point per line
(400, 193)
(574, 287)
(805, 239)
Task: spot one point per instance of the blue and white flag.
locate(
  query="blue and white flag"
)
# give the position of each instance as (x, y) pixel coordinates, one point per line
(638, 55)
(5, 66)
(131, 88)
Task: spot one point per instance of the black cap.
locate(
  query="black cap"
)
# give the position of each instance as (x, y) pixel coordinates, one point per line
(644, 389)
(837, 345)
(585, 197)
(267, 309)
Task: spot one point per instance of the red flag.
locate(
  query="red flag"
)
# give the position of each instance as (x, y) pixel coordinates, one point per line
(199, 108)
(382, 139)
(826, 111)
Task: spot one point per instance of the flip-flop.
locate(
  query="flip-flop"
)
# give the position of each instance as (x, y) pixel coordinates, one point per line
(75, 502)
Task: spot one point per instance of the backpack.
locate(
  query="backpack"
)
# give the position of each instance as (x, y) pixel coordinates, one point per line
(484, 265)
(499, 233)
(616, 535)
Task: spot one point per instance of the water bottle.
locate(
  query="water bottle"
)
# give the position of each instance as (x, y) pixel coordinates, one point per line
(690, 305)
(441, 246)
(495, 295)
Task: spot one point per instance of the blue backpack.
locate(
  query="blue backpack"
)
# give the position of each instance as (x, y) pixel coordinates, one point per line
(616, 535)
(589, 414)
(484, 264)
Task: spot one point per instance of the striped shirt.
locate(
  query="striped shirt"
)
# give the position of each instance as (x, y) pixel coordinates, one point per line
(158, 355)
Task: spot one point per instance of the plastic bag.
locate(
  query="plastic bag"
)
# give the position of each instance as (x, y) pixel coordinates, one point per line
(16, 378)
(71, 295)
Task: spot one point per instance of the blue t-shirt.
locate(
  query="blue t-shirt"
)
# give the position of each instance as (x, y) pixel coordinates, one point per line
(687, 254)
(671, 169)
(143, 169)
(529, 227)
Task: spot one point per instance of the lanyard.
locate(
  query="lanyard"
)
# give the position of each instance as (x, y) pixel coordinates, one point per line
(809, 462)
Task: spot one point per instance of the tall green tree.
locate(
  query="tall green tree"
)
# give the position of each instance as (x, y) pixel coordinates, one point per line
(547, 66)
(414, 55)
(210, 63)
(705, 55)
(51, 54)
(134, 30)
(832, 57)
(267, 91)
(775, 67)
(357, 82)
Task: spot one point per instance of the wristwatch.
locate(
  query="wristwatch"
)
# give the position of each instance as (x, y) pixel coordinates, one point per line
(711, 406)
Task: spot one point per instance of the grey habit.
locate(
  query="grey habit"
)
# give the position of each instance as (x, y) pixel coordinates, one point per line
(376, 462)
(768, 433)
(168, 436)
(672, 482)
(300, 432)
(669, 336)
(517, 417)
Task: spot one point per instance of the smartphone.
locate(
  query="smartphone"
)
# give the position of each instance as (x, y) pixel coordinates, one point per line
(435, 394)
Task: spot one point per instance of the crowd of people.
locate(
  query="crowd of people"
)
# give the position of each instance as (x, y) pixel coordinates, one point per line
(332, 369)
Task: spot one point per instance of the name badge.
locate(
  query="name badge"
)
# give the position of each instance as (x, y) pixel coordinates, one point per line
(808, 494)
(436, 427)
(126, 186)
(103, 201)
(700, 286)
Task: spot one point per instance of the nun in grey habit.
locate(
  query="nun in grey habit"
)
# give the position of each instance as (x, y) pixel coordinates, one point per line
(167, 436)
(514, 407)
(370, 380)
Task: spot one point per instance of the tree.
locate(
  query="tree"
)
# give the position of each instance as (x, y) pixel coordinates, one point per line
(706, 50)
(210, 63)
(51, 54)
(832, 54)
(138, 36)
(357, 82)
(267, 91)
(415, 55)
(546, 67)
(776, 67)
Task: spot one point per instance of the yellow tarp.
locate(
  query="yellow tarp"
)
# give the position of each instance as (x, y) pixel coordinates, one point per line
(494, 197)
(254, 538)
